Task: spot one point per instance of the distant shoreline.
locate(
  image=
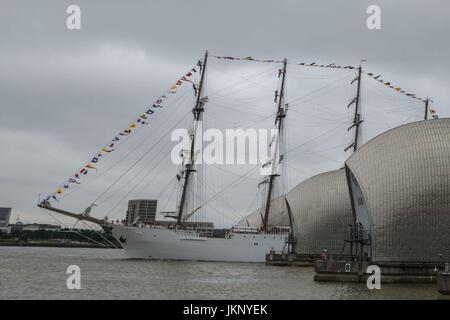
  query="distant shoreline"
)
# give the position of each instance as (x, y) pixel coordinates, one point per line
(49, 244)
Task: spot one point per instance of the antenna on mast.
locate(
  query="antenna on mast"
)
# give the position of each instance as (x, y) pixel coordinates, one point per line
(189, 165)
(357, 119)
(279, 121)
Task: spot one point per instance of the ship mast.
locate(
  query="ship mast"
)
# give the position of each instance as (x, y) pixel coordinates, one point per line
(189, 166)
(427, 101)
(279, 122)
(357, 119)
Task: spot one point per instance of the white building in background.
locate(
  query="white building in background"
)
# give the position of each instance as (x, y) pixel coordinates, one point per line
(5, 215)
(6, 230)
(38, 226)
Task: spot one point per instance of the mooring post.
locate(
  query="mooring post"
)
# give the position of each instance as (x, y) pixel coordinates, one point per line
(443, 280)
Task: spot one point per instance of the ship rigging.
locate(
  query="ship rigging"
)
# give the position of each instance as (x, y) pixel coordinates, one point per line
(188, 235)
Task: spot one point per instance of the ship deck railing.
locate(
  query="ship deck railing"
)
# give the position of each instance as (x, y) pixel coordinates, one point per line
(233, 230)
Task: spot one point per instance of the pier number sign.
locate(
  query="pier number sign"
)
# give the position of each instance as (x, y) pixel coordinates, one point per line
(348, 267)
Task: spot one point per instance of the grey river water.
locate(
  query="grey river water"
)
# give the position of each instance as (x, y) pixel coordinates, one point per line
(40, 273)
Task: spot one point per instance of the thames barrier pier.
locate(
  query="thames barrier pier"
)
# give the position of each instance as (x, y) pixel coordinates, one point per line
(400, 194)
(322, 217)
(389, 206)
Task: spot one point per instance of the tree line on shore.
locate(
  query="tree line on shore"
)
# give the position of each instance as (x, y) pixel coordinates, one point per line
(76, 235)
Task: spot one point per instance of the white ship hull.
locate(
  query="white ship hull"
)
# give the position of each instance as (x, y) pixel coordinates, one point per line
(167, 244)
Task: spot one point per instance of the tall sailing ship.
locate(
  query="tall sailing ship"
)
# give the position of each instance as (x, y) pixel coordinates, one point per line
(186, 235)
(183, 239)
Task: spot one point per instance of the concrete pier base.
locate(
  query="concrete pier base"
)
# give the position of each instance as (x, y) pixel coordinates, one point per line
(391, 272)
(291, 259)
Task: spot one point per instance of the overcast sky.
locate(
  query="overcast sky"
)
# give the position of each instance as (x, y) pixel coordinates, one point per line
(63, 92)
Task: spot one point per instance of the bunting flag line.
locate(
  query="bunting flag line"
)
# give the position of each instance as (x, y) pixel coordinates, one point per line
(433, 113)
(388, 84)
(141, 120)
(305, 64)
(393, 87)
(249, 58)
(330, 65)
(334, 66)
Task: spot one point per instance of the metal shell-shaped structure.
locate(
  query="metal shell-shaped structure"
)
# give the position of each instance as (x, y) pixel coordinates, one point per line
(322, 212)
(321, 209)
(278, 215)
(400, 186)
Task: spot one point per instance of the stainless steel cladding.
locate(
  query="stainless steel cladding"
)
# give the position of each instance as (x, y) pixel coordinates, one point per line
(402, 184)
(277, 216)
(322, 212)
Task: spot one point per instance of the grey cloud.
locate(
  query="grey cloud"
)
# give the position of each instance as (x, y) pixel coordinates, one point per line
(55, 84)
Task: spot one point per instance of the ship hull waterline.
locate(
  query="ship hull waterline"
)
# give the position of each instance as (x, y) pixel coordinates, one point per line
(167, 244)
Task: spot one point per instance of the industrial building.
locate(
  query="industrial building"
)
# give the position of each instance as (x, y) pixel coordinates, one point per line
(142, 211)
